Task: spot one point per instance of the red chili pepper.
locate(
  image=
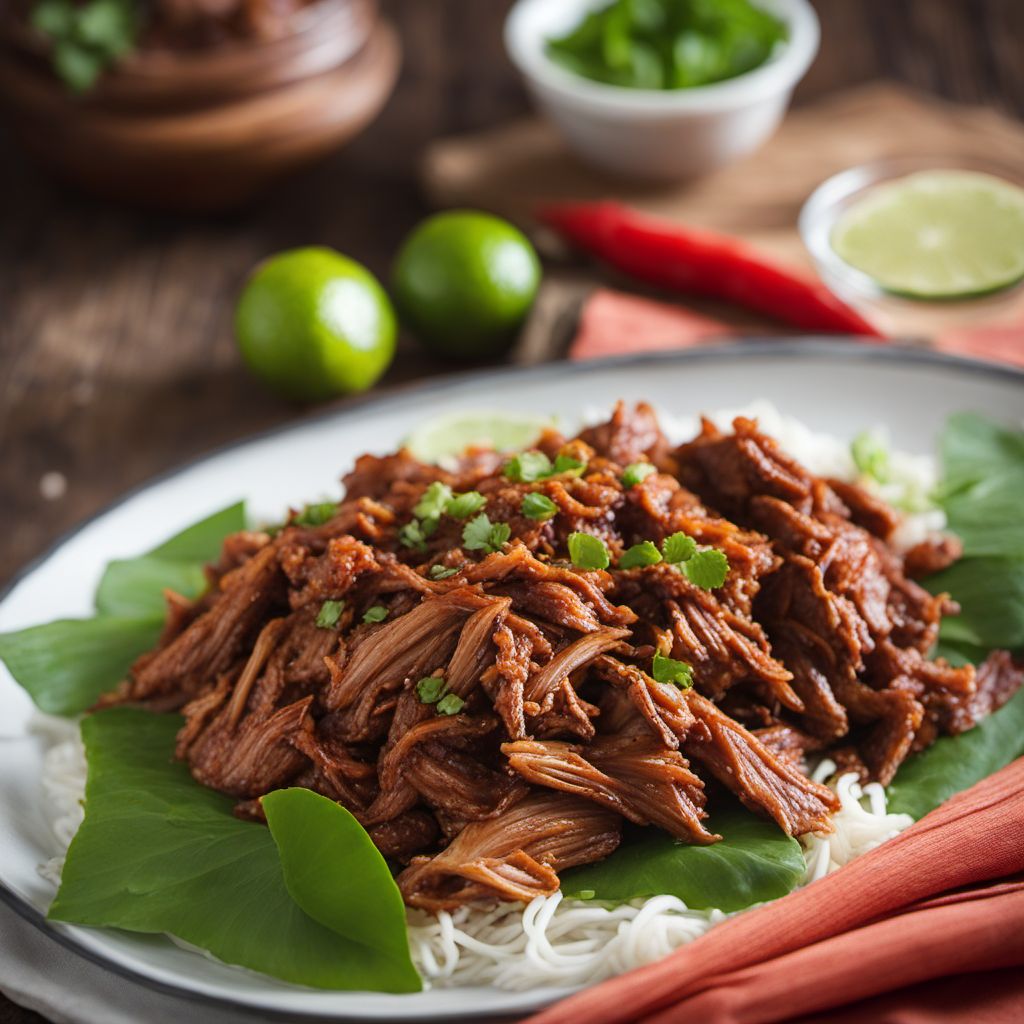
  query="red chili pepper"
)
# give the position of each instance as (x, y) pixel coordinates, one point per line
(665, 254)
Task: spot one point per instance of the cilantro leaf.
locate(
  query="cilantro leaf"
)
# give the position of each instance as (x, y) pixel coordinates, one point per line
(678, 548)
(635, 472)
(441, 572)
(707, 569)
(871, 455)
(644, 553)
(376, 613)
(480, 534)
(567, 464)
(450, 704)
(462, 506)
(527, 467)
(316, 514)
(431, 689)
(415, 533)
(668, 670)
(330, 612)
(433, 502)
(588, 551)
(538, 506)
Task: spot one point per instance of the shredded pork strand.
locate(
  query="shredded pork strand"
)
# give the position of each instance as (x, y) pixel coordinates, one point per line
(496, 720)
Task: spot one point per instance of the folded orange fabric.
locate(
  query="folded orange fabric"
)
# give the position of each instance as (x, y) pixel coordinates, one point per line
(944, 898)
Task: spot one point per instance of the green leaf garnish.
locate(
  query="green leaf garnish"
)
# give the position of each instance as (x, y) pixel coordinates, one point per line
(527, 467)
(330, 612)
(755, 862)
(668, 670)
(316, 514)
(434, 501)
(538, 506)
(678, 548)
(415, 533)
(431, 689)
(644, 553)
(566, 464)
(871, 456)
(990, 592)
(450, 704)
(636, 472)
(308, 900)
(441, 572)
(375, 613)
(135, 586)
(707, 569)
(588, 552)
(464, 505)
(481, 534)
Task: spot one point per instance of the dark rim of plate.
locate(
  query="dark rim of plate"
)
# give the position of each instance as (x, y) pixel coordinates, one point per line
(824, 350)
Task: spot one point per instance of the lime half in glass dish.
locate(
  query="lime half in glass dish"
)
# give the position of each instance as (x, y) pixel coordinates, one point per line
(936, 235)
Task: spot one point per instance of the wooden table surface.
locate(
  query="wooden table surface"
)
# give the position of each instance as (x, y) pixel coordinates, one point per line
(116, 355)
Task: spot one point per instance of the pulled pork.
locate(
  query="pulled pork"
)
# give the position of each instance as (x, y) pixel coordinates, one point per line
(494, 719)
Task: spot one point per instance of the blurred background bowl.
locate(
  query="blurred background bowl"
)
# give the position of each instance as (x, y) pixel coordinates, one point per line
(205, 129)
(658, 134)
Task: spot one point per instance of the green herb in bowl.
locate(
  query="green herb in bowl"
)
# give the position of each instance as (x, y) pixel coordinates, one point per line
(669, 44)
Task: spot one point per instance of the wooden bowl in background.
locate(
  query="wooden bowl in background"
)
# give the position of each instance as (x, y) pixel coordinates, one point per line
(207, 130)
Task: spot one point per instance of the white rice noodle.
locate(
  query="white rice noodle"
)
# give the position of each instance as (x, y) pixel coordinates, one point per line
(568, 943)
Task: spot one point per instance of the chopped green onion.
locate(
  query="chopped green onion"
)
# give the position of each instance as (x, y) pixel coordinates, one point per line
(462, 506)
(481, 534)
(441, 572)
(635, 472)
(678, 548)
(433, 502)
(431, 689)
(376, 613)
(871, 456)
(668, 670)
(707, 569)
(644, 553)
(588, 551)
(450, 704)
(330, 612)
(539, 507)
(316, 514)
(527, 467)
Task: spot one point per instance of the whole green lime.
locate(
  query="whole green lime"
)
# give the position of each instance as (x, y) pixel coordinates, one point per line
(313, 323)
(464, 281)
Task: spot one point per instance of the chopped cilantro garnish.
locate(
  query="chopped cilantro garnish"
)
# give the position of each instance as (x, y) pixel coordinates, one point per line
(668, 670)
(635, 472)
(588, 551)
(526, 467)
(431, 689)
(415, 533)
(376, 613)
(567, 464)
(441, 572)
(330, 612)
(450, 704)
(707, 569)
(871, 455)
(644, 553)
(481, 534)
(433, 502)
(316, 514)
(678, 548)
(539, 507)
(462, 506)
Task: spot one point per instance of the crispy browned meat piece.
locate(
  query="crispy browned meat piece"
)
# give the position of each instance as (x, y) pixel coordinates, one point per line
(496, 718)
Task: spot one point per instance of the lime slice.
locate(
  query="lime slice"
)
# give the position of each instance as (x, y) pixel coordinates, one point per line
(452, 434)
(937, 235)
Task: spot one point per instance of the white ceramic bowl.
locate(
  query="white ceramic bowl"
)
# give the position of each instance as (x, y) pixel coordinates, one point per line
(652, 134)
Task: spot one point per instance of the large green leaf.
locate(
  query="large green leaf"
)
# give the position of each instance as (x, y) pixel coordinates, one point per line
(158, 852)
(990, 592)
(955, 763)
(66, 665)
(982, 488)
(754, 862)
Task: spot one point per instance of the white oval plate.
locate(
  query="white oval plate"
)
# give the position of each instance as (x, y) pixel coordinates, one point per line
(839, 388)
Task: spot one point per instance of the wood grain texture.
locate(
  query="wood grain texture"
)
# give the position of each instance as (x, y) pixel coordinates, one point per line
(116, 356)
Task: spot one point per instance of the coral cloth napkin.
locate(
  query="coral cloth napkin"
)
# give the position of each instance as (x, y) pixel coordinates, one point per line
(927, 927)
